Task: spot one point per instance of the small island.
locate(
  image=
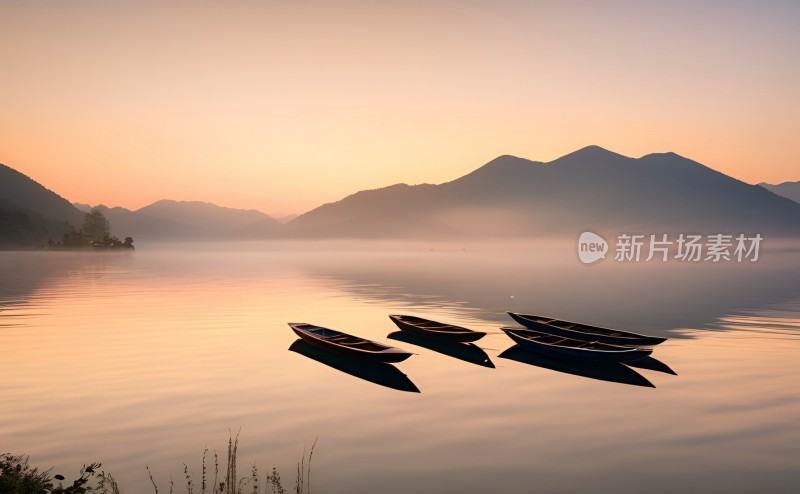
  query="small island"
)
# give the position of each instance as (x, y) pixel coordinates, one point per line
(94, 234)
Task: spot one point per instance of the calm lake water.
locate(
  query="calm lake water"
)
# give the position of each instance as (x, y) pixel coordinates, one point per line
(146, 358)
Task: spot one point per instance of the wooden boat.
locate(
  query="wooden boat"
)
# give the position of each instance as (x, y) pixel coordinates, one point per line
(584, 332)
(559, 346)
(346, 344)
(435, 330)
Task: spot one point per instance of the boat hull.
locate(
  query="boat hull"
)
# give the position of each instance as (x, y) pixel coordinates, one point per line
(467, 336)
(620, 354)
(391, 355)
(625, 339)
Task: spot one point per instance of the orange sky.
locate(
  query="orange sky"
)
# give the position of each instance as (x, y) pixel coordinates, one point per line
(283, 106)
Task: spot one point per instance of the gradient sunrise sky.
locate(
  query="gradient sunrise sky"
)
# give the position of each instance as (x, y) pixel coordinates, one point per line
(283, 106)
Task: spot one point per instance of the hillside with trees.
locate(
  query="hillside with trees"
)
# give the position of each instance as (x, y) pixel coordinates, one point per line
(34, 217)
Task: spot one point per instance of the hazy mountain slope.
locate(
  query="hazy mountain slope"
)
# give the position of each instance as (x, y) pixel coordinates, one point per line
(21, 228)
(393, 211)
(127, 223)
(26, 193)
(171, 221)
(591, 188)
(211, 221)
(31, 214)
(789, 190)
(262, 229)
(286, 218)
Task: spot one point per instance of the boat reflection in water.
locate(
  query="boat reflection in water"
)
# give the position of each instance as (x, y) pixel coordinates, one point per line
(653, 364)
(603, 371)
(375, 372)
(468, 352)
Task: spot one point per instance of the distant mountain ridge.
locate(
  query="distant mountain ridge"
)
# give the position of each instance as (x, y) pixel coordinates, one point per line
(591, 188)
(169, 220)
(789, 190)
(31, 214)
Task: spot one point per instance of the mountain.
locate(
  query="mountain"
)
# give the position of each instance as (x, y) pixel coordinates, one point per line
(395, 212)
(143, 227)
(286, 218)
(32, 196)
(264, 228)
(21, 228)
(216, 221)
(591, 188)
(789, 190)
(168, 220)
(30, 214)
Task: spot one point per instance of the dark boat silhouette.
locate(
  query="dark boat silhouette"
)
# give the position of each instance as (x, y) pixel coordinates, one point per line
(468, 352)
(375, 372)
(353, 346)
(602, 371)
(558, 346)
(434, 329)
(584, 332)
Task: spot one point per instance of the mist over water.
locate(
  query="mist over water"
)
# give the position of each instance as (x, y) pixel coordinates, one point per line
(147, 357)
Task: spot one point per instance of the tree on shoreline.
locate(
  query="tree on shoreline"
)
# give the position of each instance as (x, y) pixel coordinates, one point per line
(95, 233)
(95, 226)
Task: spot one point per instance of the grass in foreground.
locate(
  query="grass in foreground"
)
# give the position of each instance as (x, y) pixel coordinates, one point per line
(18, 477)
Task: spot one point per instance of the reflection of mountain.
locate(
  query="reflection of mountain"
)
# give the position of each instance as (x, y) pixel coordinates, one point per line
(473, 286)
(468, 352)
(374, 372)
(611, 372)
(31, 213)
(25, 274)
(590, 188)
(789, 190)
